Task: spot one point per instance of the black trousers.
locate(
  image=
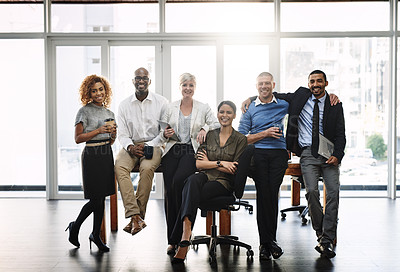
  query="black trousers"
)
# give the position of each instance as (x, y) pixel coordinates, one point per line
(270, 167)
(197, 189)
(178, 164)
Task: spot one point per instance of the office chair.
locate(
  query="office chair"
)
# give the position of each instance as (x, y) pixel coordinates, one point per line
(231, 203)
(302, 209)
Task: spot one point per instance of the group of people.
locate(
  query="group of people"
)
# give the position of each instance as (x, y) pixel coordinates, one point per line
(200, 154)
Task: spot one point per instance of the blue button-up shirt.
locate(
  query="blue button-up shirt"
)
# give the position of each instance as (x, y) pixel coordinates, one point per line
(305, 120)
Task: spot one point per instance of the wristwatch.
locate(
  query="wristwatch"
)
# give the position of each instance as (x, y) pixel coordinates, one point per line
(219, 164)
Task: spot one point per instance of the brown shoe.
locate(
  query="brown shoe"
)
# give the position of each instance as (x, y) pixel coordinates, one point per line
(130, 226)
(138, 224)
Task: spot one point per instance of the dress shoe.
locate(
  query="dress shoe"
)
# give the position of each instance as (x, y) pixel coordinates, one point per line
(138, 224)
(325, 249)
(128, 228)
(265, 255)
(98, 242)
(275, 249)
(135, 225)
(73, 234)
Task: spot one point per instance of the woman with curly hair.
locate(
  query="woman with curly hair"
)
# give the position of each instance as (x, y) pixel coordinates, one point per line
(95, 125)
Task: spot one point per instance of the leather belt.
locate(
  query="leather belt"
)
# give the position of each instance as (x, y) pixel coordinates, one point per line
(97, 144)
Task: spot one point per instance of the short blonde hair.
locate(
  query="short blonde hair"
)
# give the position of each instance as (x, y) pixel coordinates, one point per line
(187, 77)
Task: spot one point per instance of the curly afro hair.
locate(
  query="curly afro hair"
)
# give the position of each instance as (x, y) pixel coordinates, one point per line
(86, 86)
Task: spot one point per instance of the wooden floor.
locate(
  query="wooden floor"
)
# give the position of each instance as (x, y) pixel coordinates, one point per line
(32, 238)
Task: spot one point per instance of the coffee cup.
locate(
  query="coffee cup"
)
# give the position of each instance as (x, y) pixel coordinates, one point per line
(109, 122)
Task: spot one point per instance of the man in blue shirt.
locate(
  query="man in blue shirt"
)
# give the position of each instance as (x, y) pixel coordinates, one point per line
(263, 125)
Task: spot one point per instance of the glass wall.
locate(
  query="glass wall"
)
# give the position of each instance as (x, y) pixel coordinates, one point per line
(134, 18)
(23, 110)
(74, 63)
(219, 17)
(335, 15)
(356, 72)
(354, 49)
(242, 65)
(21, 17)
(201, 62)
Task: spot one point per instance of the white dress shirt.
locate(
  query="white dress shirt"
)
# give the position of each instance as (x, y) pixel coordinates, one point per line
(138, 120)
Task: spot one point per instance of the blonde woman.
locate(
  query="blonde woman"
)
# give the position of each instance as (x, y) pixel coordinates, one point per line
(186, 123)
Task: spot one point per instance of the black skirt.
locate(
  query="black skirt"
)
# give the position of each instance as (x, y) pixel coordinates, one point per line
(98, 171)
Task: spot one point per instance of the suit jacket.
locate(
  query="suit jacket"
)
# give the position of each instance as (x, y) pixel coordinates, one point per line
(202, 118)
(332, 122)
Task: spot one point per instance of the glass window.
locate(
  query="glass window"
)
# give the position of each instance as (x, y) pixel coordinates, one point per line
(334, 15)
(398, 122)
(23, 93)
(219, 17)
(74, 63)
(133, 18)
(356, 70)
(21, 17)
(201, 62)
(242, 65)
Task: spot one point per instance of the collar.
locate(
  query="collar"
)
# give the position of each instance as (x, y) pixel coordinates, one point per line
(150, 97)
(321, 100)
(258, 101)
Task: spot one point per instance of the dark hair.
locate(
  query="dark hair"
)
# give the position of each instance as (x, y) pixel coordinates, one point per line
(317, 72)
(229, 103)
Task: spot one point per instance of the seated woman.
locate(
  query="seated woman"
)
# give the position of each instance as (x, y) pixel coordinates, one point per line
(217, 159)
(191, 119)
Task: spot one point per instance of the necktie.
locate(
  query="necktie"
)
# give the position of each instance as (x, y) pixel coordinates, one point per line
(315, 129)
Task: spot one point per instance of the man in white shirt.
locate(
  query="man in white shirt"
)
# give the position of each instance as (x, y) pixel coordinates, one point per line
(138, 127)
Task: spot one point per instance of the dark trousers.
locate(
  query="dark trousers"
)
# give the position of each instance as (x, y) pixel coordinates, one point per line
(197, 189)
(270, 167)
(178, 164)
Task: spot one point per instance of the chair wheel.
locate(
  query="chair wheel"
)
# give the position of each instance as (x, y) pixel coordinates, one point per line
(283, 215)
(251, 210)
(250, 253)
(304, 220)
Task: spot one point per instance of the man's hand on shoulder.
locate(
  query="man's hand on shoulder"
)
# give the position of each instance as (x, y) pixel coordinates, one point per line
(334, 99)
(245, 105)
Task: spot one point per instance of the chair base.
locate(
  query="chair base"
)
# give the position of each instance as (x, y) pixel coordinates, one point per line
(303, 210)
(213, 240)
(212, 243)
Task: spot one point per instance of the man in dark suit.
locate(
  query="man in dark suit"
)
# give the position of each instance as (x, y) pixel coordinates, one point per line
(302, 139)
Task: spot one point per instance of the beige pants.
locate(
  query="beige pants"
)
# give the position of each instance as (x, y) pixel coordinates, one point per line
(136, 203)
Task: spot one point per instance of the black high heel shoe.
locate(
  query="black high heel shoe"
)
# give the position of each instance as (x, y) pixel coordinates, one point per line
(176, 260)
(73, 234)
(98, 242)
